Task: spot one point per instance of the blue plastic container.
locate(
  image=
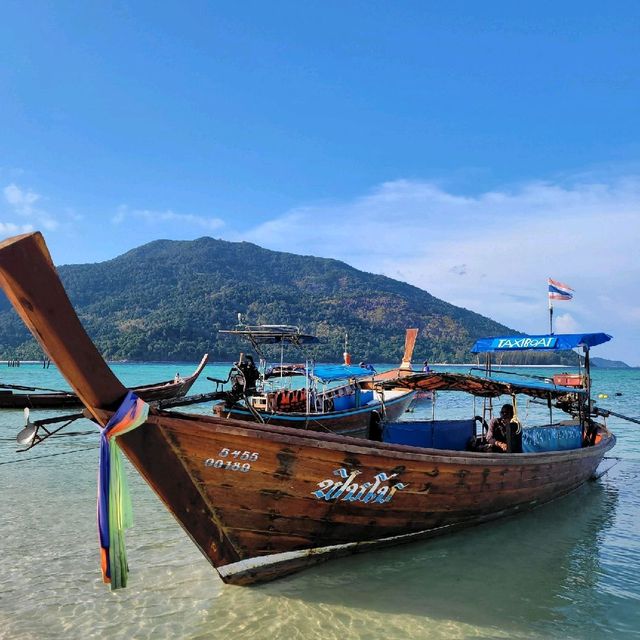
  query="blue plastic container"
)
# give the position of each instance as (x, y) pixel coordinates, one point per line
(342, 403)
(366, 397)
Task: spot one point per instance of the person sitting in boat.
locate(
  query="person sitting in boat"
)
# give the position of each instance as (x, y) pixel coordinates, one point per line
(505, 433)
(425, 367)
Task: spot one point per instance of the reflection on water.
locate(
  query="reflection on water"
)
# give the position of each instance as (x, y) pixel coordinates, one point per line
(568, 569)
(533, 575)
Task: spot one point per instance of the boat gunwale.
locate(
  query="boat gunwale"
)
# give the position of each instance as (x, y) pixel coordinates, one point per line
(351, 444)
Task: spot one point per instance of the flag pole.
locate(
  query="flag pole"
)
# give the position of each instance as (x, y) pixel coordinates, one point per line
(557, 291)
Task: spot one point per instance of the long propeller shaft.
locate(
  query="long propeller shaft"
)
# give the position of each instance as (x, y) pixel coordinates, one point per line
(608, 412)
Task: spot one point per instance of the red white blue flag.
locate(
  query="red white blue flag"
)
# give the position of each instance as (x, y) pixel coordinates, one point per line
(559, 291)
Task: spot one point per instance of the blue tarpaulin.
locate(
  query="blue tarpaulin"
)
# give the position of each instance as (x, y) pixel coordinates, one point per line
(551, 438)
(331, 372)
(452, 435)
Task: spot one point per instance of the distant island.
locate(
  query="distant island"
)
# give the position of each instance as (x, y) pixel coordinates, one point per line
(603, 363)
(166, 301)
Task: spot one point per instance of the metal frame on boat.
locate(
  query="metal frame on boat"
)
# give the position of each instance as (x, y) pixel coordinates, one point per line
(262, 501)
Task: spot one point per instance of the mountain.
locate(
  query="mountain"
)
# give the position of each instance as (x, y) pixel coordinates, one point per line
(603, 363)
(166, 300)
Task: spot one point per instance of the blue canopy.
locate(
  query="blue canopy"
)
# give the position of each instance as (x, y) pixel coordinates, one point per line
(548, 342)
(331, 372)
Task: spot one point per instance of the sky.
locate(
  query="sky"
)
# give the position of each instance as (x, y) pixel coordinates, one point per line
(471, 149)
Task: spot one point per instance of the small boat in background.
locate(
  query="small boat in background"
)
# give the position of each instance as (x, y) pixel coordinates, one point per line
(422, 398)
(22, 397)
(263, 501)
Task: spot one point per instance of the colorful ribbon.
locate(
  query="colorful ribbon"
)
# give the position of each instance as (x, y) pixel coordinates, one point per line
(114, 501)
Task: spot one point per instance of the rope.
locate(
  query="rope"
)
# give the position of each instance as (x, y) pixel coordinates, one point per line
(317, 423)
(48, 455)
(515, 413)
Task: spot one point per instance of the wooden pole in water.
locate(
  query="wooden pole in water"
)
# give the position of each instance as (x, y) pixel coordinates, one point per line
(409, 345)
(31, 282)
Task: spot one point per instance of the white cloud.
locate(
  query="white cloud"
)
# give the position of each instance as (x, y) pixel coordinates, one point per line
(73, 215)
(10, 229)
(565, 323)
(162, 217)
(22, 202)
(491, 252)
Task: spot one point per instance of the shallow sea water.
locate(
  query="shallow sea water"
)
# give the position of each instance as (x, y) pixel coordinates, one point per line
(568, 570)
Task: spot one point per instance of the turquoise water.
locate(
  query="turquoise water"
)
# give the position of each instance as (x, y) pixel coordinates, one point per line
(567, 570)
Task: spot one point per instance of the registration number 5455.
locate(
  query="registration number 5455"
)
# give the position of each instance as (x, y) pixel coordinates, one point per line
(232, 460)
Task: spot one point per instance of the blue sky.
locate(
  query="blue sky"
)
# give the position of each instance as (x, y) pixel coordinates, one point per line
(472, 149)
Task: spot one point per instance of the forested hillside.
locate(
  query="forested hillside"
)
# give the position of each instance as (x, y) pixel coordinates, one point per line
(167, 300)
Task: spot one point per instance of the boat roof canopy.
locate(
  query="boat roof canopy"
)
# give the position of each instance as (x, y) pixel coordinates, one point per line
(547, 342)
(273, 334)
(332, 372)
(487, 387)
(285, 371)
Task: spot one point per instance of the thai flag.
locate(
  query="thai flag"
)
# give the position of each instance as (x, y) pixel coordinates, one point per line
(559, 291)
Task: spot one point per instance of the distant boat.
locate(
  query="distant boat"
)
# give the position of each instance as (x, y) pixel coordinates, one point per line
(329, 398)
(262, 501)
(21, 397)
(422, 398)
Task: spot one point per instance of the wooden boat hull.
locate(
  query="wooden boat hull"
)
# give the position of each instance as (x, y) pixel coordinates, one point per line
(149, 393)
(352, 422)
(264, 501)
(11, 400)
(385, 376)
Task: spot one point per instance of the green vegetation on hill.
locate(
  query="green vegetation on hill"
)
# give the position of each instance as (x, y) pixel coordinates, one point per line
(166, 300)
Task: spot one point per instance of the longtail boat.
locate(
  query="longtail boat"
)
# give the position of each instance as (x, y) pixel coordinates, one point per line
(405, 368)
(21, 397)
(330, 398)
(263, 501)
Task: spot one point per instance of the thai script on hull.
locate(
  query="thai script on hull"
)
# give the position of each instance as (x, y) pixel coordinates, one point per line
(347, 490)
